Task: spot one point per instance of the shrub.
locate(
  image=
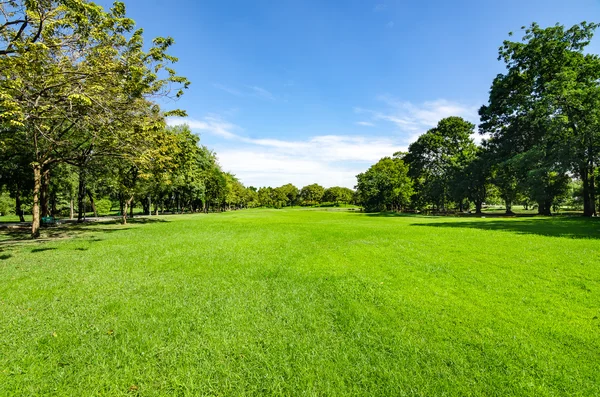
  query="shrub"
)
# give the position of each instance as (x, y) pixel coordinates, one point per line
(103, 206)
(7, 204)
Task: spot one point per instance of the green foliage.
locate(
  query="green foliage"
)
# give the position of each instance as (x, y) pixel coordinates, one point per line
(7, 204)
(338, 195)
(543, 114)
(437, 162)
(103, 206)
(312, 194)
(385, 186)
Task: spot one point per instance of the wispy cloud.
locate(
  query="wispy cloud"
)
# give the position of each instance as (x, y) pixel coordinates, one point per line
(417, 117)
(380, 7)
(261, 92)
(247, 91)
(365, 123)
(390, 24)
(327, 159)
(212, 125)
(227, 89)
(413, 119)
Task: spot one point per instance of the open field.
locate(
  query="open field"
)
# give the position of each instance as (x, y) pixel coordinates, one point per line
(303, 302)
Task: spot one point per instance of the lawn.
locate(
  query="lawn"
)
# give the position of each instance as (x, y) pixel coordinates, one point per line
(303, 302)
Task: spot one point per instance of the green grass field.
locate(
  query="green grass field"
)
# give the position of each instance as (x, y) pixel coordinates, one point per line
(303, 302)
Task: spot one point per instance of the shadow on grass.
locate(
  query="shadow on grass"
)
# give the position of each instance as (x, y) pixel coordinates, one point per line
(42, 249)
(19, 235)
(580, 228)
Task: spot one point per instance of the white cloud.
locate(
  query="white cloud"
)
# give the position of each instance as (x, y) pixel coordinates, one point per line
(227, 89)
(380, 7)
(414, 119)
(326, 159)
(389, 25)
(248, 91)
(365, 123)
(426, 114)
(261, 92)
(210, 124)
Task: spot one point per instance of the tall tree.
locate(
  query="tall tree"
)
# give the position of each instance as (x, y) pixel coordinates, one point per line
(69, 89)
(385, 185)
(543, 113)
(437, 157)
(312, 194)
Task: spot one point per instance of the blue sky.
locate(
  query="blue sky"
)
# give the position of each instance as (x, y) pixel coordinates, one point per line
(316, 91)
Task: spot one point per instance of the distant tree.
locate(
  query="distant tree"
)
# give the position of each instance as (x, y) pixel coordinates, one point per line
(437, 158)
(312, 194)
(265, 196)
(291, 193)
(337, 194)
(385, 186)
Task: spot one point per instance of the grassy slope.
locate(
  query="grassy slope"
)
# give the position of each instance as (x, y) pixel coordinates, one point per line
(305, 302)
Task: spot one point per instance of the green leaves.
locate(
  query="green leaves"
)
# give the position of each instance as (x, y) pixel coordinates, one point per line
(546, 107)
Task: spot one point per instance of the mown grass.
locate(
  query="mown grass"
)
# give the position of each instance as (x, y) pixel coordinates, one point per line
(304, 302)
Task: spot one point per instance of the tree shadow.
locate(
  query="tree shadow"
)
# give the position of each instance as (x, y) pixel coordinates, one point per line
(42, 249)
(570, 227)
(21, 235)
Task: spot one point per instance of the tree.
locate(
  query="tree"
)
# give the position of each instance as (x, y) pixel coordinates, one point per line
(385, 185)
(77, 87)
(312, 194)
(543, 113)
(291, 194)
(437, 157)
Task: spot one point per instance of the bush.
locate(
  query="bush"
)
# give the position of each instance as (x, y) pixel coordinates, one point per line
(7, 204)
(103, 206)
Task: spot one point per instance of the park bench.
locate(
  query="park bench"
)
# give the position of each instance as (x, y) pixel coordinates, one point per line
(49, 220)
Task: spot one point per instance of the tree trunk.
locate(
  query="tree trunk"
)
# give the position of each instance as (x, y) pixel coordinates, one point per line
(508, 205)
(89, 193)
(121, 205)
(81, 196)
(18, 209)
(44, 193)
(131, 205)
(37, 185)
(544, 208)
(478, 205)
(125, 206)
(592, 193)
(586, 192)
(53, 209)
(72, 209)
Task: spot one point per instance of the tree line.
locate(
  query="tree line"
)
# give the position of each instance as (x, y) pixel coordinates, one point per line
(540, 130)
(81, 128)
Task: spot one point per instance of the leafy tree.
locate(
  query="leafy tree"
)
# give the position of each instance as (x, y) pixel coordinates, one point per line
(337, 194)
(78, 85)
(544, 111)
(312, 194)
(437, 158)
(385, 185)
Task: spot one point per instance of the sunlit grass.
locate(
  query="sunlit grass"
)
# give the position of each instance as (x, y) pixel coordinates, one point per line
(304, 302)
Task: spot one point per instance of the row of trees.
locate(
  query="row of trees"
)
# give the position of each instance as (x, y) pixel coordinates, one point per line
(78, 91)
(541, 128)
(289, 195)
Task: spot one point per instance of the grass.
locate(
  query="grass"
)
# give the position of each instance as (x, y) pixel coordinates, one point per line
(303, 302)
